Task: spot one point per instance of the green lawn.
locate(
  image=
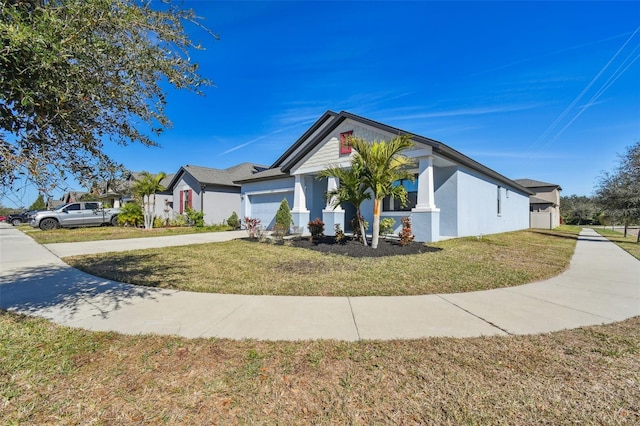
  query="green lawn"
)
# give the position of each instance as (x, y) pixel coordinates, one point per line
(56, 375)
(241, 267)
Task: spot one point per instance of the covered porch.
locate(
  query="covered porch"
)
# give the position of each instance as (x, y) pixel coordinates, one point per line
(309, 202)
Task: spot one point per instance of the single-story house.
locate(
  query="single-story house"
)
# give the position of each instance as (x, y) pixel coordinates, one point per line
(544, 204)
(67, 197)
(213, 192)
(452, 195)
(116, 193)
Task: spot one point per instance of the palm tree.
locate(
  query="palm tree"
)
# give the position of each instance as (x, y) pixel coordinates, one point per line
(351, 189)
(146, 188)
(382, 164)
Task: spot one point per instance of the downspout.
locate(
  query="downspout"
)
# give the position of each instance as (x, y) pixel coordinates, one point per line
(202, 187)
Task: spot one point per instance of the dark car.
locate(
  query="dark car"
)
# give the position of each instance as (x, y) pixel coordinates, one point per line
(19, 218)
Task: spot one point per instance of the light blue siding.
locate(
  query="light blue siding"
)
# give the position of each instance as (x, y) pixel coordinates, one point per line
(446, 199)
(478, 206)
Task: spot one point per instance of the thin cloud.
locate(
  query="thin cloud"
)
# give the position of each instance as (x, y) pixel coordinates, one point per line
(268, 135)
(556, 52)
(620, 70)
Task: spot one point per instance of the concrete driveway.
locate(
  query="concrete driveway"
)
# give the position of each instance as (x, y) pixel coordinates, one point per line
(602, 285)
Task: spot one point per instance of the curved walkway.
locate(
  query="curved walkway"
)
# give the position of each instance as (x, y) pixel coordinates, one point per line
(602, 285)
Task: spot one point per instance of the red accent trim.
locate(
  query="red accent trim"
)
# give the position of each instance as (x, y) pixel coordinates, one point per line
(344, 147)
(190, 200)
(181, 202)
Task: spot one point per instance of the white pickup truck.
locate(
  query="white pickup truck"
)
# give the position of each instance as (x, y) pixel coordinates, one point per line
(72, 215)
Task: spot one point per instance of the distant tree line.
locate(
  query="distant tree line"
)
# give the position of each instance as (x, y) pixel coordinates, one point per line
(616, 200)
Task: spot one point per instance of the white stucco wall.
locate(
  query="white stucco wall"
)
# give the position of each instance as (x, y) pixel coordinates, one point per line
(219, 203)
(161, 206)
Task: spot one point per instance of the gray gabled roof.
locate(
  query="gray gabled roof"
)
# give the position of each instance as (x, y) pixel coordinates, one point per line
(264, 175)
(531, 183)
(536, 200)
(222, 177)
(328, 122)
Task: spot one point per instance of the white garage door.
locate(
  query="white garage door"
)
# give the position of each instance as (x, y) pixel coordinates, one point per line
(265, 206)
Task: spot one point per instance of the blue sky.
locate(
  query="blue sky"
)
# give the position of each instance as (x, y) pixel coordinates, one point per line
(542, 90)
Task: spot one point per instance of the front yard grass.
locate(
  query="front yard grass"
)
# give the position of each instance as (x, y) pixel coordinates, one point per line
(73, 235)
(629, 244)
(51, 374)
(241, 267)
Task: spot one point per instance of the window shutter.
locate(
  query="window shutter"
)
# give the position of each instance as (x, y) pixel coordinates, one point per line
(345, 148)
(191, 198)
(181, 202)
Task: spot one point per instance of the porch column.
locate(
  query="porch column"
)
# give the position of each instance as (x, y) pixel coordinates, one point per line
(332, 216)
(299, 213)
(425, 216)
(426, 197)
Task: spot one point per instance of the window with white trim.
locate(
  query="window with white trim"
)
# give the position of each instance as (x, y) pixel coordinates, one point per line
(390, 204)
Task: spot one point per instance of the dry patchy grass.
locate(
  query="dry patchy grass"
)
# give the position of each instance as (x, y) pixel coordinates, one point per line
(55, 375)
(463, 264)
(72, 235)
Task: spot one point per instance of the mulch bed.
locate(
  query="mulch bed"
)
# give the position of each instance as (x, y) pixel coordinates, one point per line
(351, 248)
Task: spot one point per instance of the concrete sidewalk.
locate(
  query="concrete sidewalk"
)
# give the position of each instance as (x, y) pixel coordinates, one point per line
(602, 285)
(94, 247)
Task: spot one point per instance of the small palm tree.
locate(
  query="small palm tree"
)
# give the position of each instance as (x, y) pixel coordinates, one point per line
(146, 188)
(351, 189)
(382, 164)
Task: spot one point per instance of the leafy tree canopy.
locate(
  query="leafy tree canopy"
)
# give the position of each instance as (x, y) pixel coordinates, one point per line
(38, 204)
(79, 73)
(618, 192)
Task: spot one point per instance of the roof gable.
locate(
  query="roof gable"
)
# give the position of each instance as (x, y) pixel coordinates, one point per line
(222, 177)
(330, 121)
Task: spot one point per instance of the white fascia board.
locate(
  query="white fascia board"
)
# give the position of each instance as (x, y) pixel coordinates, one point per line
(268, 191)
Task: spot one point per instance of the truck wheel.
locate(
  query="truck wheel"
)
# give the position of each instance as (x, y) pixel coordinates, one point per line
(16, 222)
(114, 221)
(48, 224)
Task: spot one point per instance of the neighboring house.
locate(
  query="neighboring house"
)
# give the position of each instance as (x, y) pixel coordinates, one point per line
(452, 196)
(544, 204)
(67, 197)
(211, 191)
(117, 193)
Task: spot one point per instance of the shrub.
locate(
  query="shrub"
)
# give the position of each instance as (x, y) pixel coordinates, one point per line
(283, 217)
(386, 225)
(158, 222)
(131, 215)
(355, 226)
(340, 237)
(234, 221)
(194, 217)
(406, 236)
(280, 230)
(253, 227)
(178, 220)
(316, 227)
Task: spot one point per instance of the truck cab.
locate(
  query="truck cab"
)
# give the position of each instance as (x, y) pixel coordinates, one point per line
(76, 214)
